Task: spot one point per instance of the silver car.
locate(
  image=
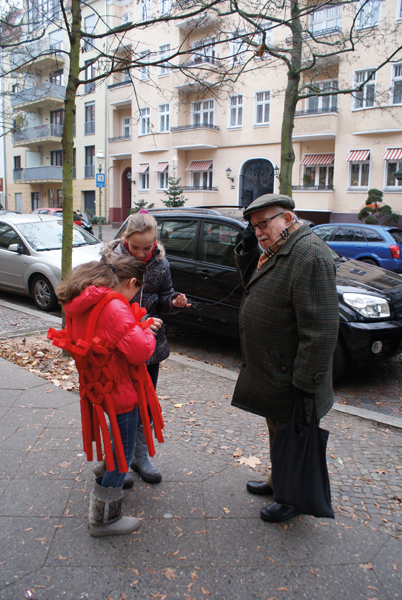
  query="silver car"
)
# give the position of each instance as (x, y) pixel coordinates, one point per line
(30, 255)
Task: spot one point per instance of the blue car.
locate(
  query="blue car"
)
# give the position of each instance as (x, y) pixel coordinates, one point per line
(374, 244)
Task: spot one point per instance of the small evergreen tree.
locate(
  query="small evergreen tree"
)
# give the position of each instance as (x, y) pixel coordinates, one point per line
(140, 204)
(375, 214)
(174, 193)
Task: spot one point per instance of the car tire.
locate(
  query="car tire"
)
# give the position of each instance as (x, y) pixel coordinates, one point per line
(340, 361)
(369, 261)
(43, 293)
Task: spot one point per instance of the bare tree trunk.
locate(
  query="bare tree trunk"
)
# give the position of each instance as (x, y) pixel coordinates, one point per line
(291, 98)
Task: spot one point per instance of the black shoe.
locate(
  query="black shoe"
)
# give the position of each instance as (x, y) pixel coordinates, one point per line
(259, 487)
(128, 481)
(276, 513)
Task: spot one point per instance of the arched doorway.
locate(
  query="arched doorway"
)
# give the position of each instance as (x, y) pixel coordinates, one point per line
(125, 193)
(256, 179)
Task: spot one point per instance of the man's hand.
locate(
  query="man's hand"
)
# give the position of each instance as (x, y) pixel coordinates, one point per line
(249, 239)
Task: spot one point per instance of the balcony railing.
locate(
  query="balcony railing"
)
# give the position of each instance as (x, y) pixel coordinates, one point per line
(198, 61)
(323, 188)
(43, 173)
(38, 93)
(316, 111)
(119, 84)
(205, 188)
(121, 138)
(89, 127)
(89, 171)
(35, 134)
(36, 51)
(194, 126)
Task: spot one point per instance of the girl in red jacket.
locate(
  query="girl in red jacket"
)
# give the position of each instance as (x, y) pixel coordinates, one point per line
(130, 344)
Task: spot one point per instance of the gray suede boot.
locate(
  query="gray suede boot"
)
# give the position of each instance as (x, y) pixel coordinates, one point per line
(141, 463)
(105, 516)
(100, 469)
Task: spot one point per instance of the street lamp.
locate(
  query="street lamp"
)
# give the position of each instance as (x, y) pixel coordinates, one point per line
(100, 157)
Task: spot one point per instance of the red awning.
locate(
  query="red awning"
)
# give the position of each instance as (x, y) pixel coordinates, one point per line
(393, 154)
(142, 168)
(318, 159)
(160, 167)
(357, 155)
(199, 165)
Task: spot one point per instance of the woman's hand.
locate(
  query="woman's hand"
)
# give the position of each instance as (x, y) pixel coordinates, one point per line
(156, 325)
(181, 301)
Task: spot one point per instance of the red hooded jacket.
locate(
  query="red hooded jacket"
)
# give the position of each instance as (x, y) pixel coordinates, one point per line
(116, 324)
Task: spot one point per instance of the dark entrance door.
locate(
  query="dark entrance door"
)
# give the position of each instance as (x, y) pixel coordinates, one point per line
(257, 179)
(125, 193)
(89, 200)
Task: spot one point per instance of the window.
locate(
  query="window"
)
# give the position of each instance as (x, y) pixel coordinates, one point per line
(17, 163)
(324, 232)
(35, 200)
(396, 93)
(89, 161)
(143, 183)
(162, 170)
(126, 75)
(145, 121)
(15, 88)
(126, 127)
(8, 236)
(219, 242)
(145, 70)
(41, 13)
(144, 10)
(262, 108)
(127, 17)
(318, 176)
(165, 6)
(203, 51)
(365, 97)
(399, 13)
(89, 73)
(74, 163)
(393, 161)
(344, 234)
(90, 118)
(56, 122)
(178, 237)
(326, 19)
(359, 169)
(89, 27)
(235, 111)
(164, 52)
(237, 48)
(368, 13)
(56, 77)
(202, 180)
(316, 104)
(56, 158)
(371, 235)
(163, 118)
(202, 113)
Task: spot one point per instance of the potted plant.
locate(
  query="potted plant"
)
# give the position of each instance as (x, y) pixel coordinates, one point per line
(398, 175)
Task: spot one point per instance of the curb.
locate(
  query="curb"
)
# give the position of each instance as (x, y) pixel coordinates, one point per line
(31, 312)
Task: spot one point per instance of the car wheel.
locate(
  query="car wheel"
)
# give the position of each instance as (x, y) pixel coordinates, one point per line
(369, 261)
(340, 361)
(43, 293)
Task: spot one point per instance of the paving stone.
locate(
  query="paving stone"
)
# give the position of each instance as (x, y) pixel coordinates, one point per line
(176, 498)
(34, 498)
(239, 583)
(54, 464)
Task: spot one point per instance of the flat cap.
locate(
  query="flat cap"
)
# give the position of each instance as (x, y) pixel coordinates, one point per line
(269, 200)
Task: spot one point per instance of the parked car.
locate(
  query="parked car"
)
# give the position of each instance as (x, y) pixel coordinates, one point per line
(30, 255)
(80, 219)
(200, 244)
(372, 244)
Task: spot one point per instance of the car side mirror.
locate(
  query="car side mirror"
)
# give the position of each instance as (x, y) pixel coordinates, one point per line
(16, 248)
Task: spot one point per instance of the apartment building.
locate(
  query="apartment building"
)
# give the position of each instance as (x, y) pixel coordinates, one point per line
(222, 140)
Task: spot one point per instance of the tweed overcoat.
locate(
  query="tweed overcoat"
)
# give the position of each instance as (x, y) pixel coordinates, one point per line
(289, 319)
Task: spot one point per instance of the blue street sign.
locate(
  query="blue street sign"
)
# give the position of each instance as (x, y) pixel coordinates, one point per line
(100, 180)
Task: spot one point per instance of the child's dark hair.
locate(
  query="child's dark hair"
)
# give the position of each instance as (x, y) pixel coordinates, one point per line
(100, 274)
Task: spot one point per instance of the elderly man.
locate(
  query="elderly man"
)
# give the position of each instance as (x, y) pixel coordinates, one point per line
(288, 324)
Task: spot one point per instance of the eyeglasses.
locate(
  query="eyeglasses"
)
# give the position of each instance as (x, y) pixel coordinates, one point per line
(262, 224)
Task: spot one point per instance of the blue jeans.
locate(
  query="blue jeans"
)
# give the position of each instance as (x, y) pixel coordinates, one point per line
(128, 423)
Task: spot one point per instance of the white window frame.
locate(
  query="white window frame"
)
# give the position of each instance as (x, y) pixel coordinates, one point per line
(369, 15)
(145, 70)
(316, 169)
(143, 181)
(396, 77)
(126, 75)
(399, 11)
(164, 52)
(331, 101)
(126, 127)
(144, 10)
(89, 27)
(367, 94)
(144, 123)
(203, 179)
(201, 54)
(397, 185)
(202, 112)
(163, 180)
(237, 110)
(164, 118)
(165, 6)
(326, 19)
(263, 102)
(360, 163)
(237, 48)
(127, 17)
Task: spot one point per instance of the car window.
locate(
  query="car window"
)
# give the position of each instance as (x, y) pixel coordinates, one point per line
(8, 236)
(359, 235)
(397, 235)
(218, 243)
(178, 237)
(324, 232)
(344, 234)
(372, 236)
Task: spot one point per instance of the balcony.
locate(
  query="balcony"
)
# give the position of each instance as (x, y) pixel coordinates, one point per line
(121, 138)
(45, 54)
(309, 127)
(196, 188)
(45, 95)
(316, 188)
(198, 22)
(39, 134)
(316, 111)
(38, 174)
(207, 137)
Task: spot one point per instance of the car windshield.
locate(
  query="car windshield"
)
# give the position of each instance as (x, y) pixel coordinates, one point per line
(47, 235)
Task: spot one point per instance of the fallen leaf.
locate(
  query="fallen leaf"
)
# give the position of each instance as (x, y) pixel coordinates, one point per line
(169, 573)
(251, 461)
(226, 510)
(395, 567)
(60, 557)
(178, 405)
(366, 566)
(282, 589)
(237, 452)
(205, 591)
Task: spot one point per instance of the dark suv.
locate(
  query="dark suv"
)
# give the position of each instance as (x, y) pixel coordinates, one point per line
(200, 244)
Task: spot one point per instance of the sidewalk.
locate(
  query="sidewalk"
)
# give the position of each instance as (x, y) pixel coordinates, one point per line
(201, 536)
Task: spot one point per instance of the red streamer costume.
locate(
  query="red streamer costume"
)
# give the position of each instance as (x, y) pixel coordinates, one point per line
(91, 357)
